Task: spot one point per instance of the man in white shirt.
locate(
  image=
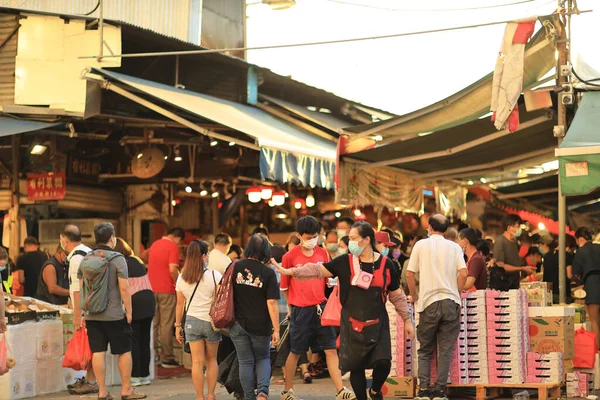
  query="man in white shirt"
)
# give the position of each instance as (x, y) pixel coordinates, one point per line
(218, 258)
(442, 275)
(70, 241)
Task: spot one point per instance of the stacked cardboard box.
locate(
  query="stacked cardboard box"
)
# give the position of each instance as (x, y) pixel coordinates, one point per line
(539, 294)
(472, 351)
(545, 368)
(507, 336)
(402, 346)
(579, 384)
(551, 329)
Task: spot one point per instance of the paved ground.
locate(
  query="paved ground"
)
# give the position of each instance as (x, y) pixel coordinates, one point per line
(181, 388)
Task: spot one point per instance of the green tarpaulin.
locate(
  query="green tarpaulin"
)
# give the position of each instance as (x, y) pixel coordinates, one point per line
(579, 153)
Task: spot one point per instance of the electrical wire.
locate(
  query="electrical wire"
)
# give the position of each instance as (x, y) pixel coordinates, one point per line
(95, 8)
(587, 82)
(430, 10)
(283, 46)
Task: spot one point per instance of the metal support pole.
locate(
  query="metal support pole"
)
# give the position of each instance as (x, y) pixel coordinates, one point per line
(14, 243)
(101, 31)
(561, 50)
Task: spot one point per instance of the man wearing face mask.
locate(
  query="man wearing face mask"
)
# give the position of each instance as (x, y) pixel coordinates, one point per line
(332, 245)
(506, 253)
(343, 226)
(70, 242)
(306, 300)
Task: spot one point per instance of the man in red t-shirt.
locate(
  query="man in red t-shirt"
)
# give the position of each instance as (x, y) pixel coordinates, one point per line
(306, 301)
(163, 261)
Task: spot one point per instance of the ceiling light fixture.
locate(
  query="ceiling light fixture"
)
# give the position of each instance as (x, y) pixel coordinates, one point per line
(231, 143)
(177, 154)
(215, 195)
(213, 143)
(39, 149)
(204, 192)
(188, 189)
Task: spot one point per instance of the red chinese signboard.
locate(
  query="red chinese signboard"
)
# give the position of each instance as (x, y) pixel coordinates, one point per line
(46, 186)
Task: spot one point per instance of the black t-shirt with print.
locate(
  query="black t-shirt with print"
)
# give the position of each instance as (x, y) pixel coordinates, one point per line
(340, 267)
(253, 284)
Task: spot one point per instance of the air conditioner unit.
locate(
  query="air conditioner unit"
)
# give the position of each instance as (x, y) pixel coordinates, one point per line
(50, 230)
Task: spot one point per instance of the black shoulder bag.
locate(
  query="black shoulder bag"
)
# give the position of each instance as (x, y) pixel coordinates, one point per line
(186, 345)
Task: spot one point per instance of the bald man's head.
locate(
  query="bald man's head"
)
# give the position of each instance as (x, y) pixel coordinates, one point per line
(439, 223)
(70, 237)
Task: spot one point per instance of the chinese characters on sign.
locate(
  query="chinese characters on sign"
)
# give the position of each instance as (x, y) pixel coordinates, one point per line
(83, 170)
(46, 186)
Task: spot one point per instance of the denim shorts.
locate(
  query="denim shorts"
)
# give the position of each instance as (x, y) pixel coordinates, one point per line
(197, 329)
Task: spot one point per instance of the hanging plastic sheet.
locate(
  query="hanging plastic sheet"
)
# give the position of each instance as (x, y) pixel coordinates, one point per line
(297, 169)
(453, 201)
(379, 187)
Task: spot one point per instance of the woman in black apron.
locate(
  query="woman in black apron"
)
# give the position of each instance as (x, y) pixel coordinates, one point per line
(367, 280)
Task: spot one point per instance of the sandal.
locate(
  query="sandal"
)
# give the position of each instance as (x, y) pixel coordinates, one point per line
(211, 397)
(108, 397)
(307, 377)
(135, 395)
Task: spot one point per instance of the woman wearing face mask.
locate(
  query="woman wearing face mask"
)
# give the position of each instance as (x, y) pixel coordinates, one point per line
(384, 244)
(195, 288)
(476, 270)
(367, 280)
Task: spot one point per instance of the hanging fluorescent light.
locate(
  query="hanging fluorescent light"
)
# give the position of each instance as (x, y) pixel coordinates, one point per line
(231, 143)
(215, 194)
(310, 201)
(254, 194)
(188, 189)
(140, 155)
(278, 198)
(483, 180)
(266, 192)
(177, 154)
(378, 138)
(204, 192)
(39, 149)
(213, 143)
(470, 183)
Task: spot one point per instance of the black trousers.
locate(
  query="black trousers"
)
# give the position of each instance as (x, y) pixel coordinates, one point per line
(140, 352)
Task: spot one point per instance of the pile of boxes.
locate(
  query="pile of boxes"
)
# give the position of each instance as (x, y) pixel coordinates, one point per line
(545, 368)
(579, 384)
(539, 294)
(402, 347)
(507, 336)
(552, 329)
(39, 366)
(471, 355)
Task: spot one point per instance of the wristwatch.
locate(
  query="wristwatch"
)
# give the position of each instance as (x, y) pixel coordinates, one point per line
(177, 325)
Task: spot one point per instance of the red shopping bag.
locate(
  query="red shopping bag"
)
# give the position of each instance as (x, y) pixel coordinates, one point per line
(78, 355)
(3, 356)
(332, 314)
(222, 310)
(586, 348)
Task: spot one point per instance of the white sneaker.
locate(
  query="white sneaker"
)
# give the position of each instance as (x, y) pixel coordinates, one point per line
(135, 382)
(145, 381)
(289, 395)
(345, 394)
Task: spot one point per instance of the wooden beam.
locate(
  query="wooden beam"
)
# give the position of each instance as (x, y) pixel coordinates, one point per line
(527, 193)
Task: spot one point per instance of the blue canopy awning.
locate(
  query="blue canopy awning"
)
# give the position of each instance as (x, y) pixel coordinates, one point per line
(11, 126)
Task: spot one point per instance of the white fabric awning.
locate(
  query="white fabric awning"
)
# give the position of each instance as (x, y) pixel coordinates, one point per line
(270, 132)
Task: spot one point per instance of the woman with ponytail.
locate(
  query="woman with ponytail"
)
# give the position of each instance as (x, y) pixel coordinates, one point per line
(367, 280)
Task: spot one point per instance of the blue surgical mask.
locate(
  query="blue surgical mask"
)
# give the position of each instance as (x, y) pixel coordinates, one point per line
(385, 251)
(354, 248)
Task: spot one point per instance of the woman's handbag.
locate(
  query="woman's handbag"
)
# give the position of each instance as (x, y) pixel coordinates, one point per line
(332, 313)
(222, 310)
(186, 345)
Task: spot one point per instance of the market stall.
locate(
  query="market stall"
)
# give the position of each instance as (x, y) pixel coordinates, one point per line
(37, 337)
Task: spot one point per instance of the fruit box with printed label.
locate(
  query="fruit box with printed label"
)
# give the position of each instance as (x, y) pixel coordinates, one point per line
(552, 334)
(539, 294)
(397, 387)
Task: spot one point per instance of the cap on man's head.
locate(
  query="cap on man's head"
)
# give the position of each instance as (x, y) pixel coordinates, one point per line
(384, 238)
(32, 241)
